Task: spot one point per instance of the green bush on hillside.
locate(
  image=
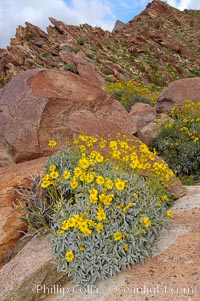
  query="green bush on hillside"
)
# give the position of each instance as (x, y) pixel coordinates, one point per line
(128, 93)
(179, 142)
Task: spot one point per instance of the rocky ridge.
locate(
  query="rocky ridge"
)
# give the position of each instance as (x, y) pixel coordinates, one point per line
(158, 46)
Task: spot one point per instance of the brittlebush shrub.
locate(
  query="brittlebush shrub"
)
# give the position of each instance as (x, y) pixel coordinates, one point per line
(106, 215)
(128, 93)
(178, 142)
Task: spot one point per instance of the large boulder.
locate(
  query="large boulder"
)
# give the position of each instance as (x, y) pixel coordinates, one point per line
(142, 114)
(11, 178)
(37, 105)
(177, 93)
(29, 272)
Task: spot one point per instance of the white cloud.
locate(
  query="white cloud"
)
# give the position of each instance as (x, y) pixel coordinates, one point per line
(37, 12)
(185, 4)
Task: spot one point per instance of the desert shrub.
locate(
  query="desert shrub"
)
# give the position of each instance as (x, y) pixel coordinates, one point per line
(68, 48)
(106, 71)
(106, 215)
(179, 142)
(70, 68)
(109, 79)
(46, 53)
(131, 92)
(80, 41)
(36, 206)
(101, 213)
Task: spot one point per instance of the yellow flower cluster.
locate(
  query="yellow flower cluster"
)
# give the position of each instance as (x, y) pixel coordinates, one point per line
(121, 151)
(129, 88)
(99, 184)
(124, 153)
(190, 108)
(146, 221)
(49, 178)
(78, 221)
(187, 116)
(84, 224)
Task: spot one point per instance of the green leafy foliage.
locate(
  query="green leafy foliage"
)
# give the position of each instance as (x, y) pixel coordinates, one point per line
(128, 93)
(179, 142)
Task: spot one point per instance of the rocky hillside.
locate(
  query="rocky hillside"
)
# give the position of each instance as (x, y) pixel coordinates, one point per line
(158, 46)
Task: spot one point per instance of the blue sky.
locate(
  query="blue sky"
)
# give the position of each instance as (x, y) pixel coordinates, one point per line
(102, 13)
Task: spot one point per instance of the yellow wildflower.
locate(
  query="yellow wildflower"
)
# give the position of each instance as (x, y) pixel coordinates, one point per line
(89, 177)
(169, 213)
(71, 222)
(102, 143)
(164, 197)
(100, 180)
(125, 247)
(45, 184)
(108, 183)
(120, 184)
(99, 158)
(116, 154)
(106, 199)
(84, 228)
(118, 235)
(77, 171)
(69, 256)
(74, 184)
(59, 232)
(84, 163)
(82, 148)
(52, 167)
(65, 225)
(146, 221)
(93, 195)
(99, 227)
(113, 145)
(52, 143)
(54, 174)
(101, 214)
(66, 174)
